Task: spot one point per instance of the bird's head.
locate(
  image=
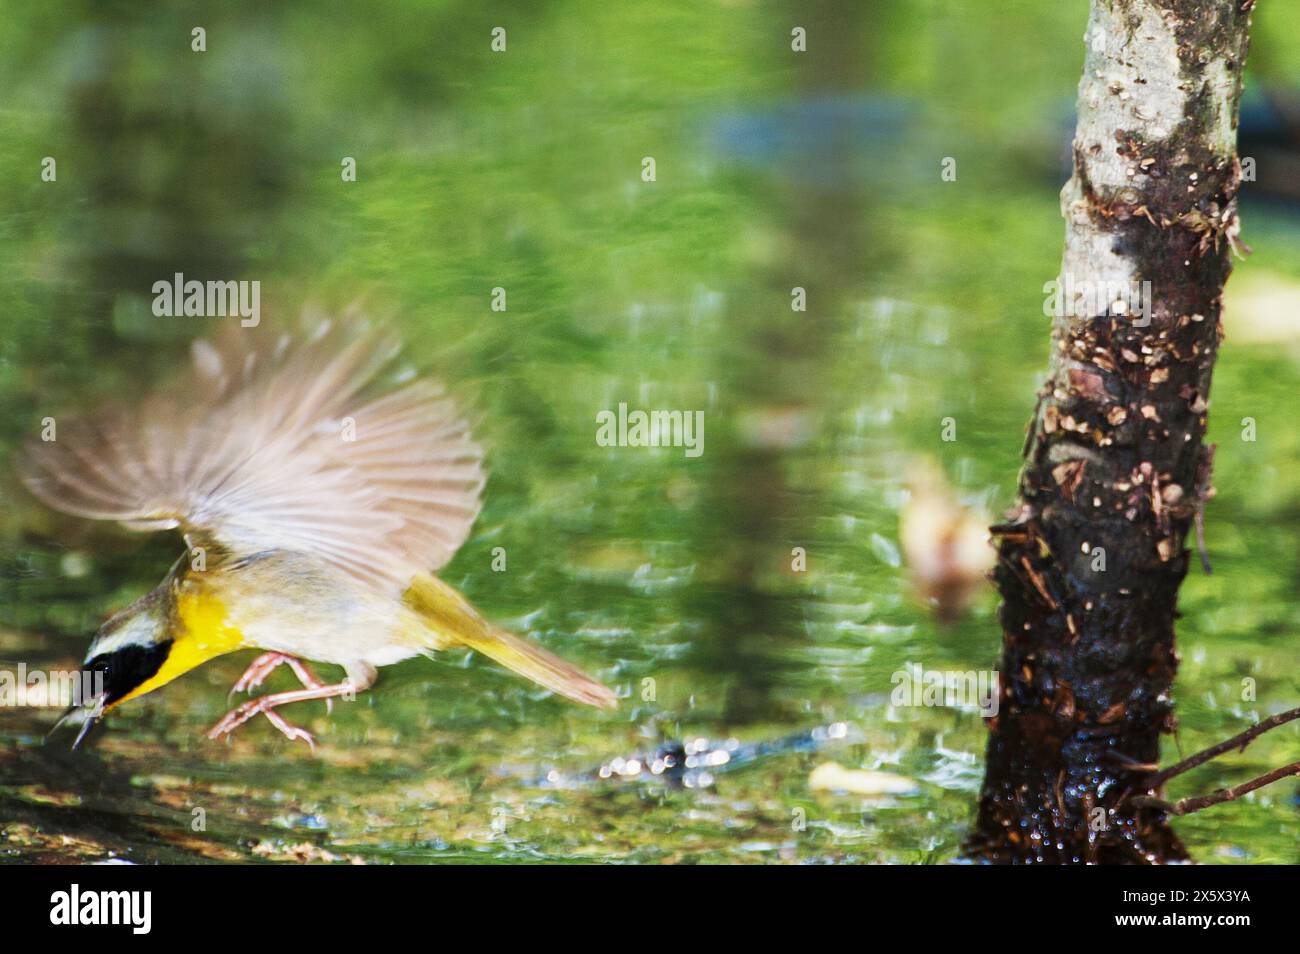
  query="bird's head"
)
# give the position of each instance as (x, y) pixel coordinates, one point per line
(125, 659)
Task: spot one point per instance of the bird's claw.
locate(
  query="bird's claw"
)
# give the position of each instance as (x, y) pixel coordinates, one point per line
(291, 732)
(256, 673)
(238, 716)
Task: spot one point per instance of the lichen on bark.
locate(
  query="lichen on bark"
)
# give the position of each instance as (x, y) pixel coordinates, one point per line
(1115, 468)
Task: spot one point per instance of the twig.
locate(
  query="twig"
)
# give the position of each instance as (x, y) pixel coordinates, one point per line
(1238, 741)
(1039, 585)
(1200, 541)
(1186, 806)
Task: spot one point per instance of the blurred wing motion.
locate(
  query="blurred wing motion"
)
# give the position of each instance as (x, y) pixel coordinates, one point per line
(281, 444)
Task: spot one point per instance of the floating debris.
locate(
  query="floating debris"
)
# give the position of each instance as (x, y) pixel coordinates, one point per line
(303, 853)
(833, 777)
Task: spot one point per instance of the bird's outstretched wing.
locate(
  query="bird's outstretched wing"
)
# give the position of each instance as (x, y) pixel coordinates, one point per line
(303, 444)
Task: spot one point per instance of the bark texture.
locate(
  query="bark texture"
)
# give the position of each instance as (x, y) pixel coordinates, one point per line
(1115, 467)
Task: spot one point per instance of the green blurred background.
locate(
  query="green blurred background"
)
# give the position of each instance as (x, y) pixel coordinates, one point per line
(522, 169)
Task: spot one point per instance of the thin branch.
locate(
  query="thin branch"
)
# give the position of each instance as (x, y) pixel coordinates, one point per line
(1238, 742)
(1186, 806)
(1200, 541)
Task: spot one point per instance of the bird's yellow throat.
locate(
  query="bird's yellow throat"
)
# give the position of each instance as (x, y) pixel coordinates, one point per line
(202, 633)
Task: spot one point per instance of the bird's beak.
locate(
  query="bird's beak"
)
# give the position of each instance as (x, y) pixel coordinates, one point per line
(86, 715)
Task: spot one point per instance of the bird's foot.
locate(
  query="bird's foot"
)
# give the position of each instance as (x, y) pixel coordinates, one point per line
(290, 730)
(266, 705)
(257, 671)
(265, 664)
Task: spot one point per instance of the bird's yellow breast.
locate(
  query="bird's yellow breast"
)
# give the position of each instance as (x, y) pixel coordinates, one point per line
(203, 632)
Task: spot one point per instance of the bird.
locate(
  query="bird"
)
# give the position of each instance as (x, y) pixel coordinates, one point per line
(318, 487)
(946, 545)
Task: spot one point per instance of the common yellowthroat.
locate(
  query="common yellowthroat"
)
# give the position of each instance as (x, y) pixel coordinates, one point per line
(317, 492)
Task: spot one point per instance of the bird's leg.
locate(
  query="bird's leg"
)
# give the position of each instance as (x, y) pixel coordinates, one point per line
(267, 663)
(266, 705)
(258, 670)
(308, 679)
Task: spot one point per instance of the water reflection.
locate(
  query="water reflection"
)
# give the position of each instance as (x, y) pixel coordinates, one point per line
(522, 172)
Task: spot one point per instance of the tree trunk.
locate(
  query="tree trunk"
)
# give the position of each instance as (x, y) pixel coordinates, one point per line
(1115, 470)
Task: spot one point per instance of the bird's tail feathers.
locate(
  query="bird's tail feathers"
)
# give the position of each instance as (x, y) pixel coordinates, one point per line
(453, 621)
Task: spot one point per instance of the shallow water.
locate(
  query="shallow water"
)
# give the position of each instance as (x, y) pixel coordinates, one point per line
(669, 577)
